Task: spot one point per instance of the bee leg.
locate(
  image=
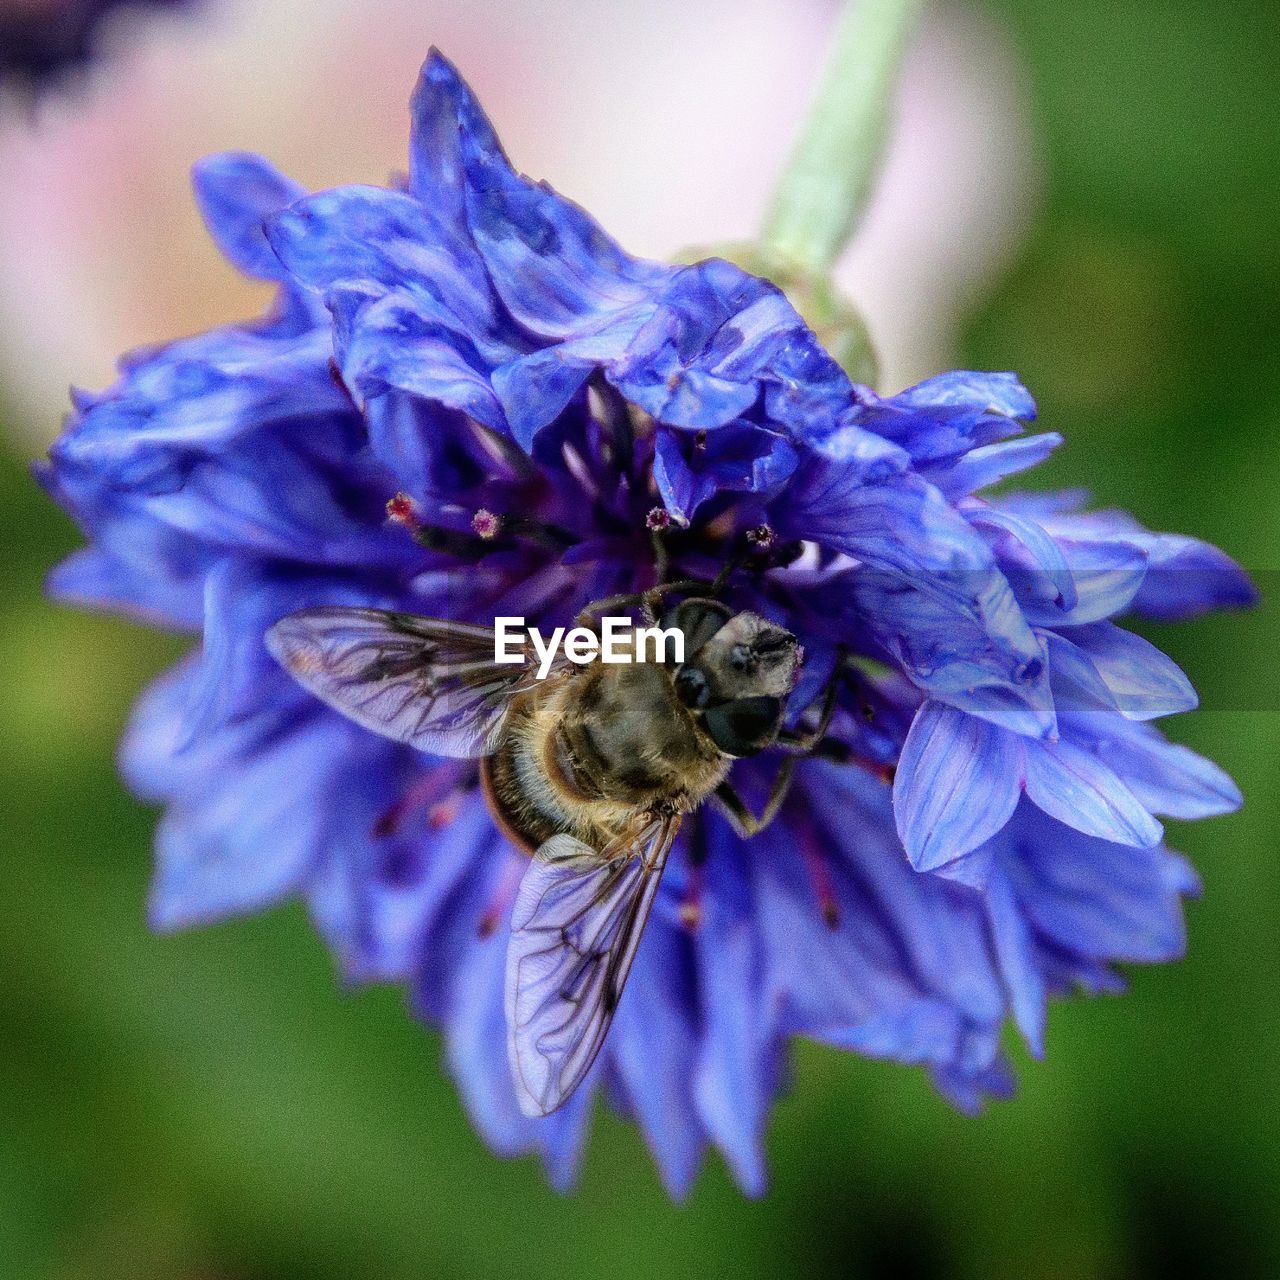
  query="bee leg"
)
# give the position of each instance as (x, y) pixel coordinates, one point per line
(642, 600)
(806, 742)
(661, 556)
(735, 808)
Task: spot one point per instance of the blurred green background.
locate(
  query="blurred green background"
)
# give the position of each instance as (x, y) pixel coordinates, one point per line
(212, 1107)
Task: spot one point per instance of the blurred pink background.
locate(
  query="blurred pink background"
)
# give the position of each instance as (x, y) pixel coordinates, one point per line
(671, 128)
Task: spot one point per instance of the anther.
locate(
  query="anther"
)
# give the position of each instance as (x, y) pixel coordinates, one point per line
(815, 861)
(436, 792)
(690, 909)
(339, 381)
(657, 519)
(401, 510)
(486, 525)
(761, 537)
(443, 813)
(502, 898)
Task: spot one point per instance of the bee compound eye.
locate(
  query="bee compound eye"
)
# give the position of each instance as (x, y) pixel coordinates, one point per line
(692, 688)
(699, 620)
(745, 725)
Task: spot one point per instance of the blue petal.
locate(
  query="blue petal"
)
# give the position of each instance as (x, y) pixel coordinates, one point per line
(378, 898)
(1074, 786)
(737, 1060)
(957, 783)
(441, 108)
(1107, 577)
(969, 1091)
(1043, 570)
(247, 843)
(1185, 576)
(1097, 900)
(553, 266)
(930, 590)
(653, 1046)
(201, 393)
(425, 447)
(718, 340)
(359, 243)
(935, 923)
(1121, 670)
(736, 459)
(1019, 964)
(236, 192)
(391, 345)
(1166, 778)
(944, 417)
(953, 655)
(993, 462)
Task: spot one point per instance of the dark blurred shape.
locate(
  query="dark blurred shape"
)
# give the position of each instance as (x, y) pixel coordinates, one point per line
(1187, 1221)
(40, 40)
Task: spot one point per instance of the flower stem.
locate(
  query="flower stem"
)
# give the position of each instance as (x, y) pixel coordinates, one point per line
(832, 169)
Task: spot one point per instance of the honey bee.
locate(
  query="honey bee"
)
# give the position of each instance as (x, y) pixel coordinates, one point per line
(590, 770)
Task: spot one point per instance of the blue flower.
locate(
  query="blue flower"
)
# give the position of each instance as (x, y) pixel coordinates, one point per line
(543, 416)
(38, 43)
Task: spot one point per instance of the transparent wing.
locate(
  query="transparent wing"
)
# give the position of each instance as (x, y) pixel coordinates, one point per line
(431, 684)
(574, 931)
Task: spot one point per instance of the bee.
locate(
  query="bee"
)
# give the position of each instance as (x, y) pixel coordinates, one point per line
(590, 771)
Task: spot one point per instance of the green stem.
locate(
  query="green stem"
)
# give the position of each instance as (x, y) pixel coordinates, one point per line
(832, 169)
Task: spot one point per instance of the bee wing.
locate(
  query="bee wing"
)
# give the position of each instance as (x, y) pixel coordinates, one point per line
(575, 928)
(431, 684)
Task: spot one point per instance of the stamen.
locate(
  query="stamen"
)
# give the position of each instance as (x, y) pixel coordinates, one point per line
(339, 381)
(761, 537)
(442, 814)
(690, 909)
(502, 898)
(815, 861)
(486, 525)
(401, 510)
(579, 470)
(434, 791)
(657, 519)
(506, 453)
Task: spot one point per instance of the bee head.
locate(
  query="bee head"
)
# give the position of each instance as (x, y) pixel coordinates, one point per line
(738, 670)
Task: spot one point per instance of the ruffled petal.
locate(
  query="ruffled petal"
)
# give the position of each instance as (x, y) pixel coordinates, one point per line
(944, 417)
